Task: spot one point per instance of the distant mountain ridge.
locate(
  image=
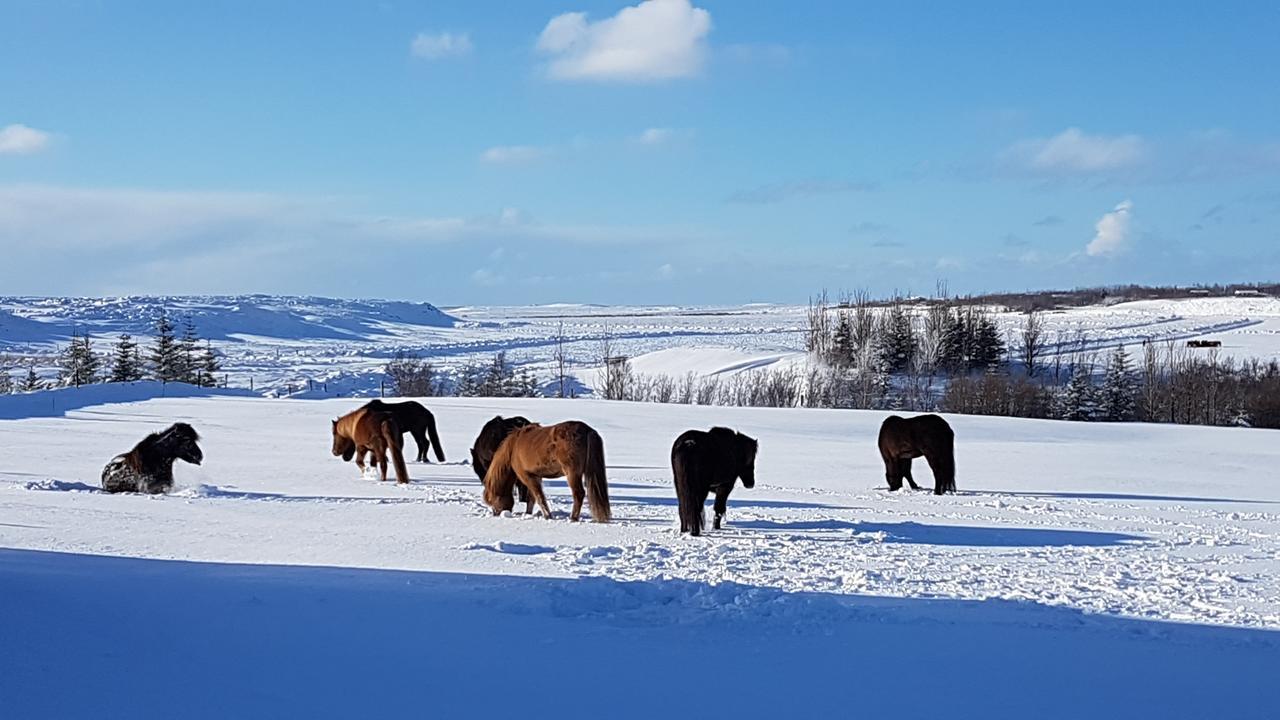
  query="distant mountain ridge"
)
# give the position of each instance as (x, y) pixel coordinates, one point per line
(39, 320)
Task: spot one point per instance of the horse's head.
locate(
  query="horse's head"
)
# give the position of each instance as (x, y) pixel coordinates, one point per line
(342, 445)
(746, 452)
(182, 443)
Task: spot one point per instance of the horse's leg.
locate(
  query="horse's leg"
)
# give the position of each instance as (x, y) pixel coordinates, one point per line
(722, 504)
(700, 503)
(381, 454)
(892, 472)
(574, 479)
(905, 471)
(534, 484)
(360, 451)
(420, 439)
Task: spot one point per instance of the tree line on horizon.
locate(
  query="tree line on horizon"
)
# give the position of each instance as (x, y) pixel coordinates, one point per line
(171, 357)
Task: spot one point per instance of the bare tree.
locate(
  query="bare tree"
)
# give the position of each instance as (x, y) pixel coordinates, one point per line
(1030, 341)
(818, 338)
(615, 370)
(560, 361)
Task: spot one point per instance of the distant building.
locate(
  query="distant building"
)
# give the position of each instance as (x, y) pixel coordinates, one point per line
(1250, 293)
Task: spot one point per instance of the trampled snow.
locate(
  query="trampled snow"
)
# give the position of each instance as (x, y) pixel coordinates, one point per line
(1083, 570)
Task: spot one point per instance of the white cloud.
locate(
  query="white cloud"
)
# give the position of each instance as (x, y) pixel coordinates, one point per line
(19, 139)
(666, 271)
(486, 277)
(1072, 151)
(1112, 231)
(655, 136)
(513, 154)
(442, 45)
(654, 40)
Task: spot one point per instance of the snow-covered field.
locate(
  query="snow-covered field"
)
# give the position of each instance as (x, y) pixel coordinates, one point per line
(279, 344)
(1084, 570)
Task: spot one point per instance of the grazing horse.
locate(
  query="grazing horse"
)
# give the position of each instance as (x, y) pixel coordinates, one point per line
(487, 442)
(148, 467)
(370, 431)
(703, 461)
(415, 419)
(902, 439)
(533, 452)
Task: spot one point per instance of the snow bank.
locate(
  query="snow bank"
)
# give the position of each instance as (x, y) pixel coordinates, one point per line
(52, 403)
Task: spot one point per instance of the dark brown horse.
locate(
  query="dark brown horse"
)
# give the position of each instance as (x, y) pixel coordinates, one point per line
(902, 439)
(370, 431)
(415, 419)
(531, 453)
(487, 442)
(703, 461)
(148, 467)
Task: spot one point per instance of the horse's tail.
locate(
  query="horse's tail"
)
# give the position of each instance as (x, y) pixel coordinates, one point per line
(395, 445)
(499, 477)
(593, 475)
(945, 468)
(435, 439)
(690, 511)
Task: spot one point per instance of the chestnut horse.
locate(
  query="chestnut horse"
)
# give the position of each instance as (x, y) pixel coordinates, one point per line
(531, 453)
(487, 442)
(902, 439)
(370, 431)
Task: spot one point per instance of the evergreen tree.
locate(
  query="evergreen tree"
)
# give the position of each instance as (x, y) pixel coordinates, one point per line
(31, 382)
(77, 363)
(209, 366)
(165, 361)
(987, 347)
(6, 382)
(188, 352)
(952, 355)
(125, 366)
(1079, 400)
(1119, 390)
(842, 350)
(896, 339)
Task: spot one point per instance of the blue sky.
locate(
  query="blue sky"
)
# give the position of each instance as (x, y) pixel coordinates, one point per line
(705, 152)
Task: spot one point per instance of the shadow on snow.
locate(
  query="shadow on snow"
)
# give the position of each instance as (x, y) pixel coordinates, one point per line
(112, 637)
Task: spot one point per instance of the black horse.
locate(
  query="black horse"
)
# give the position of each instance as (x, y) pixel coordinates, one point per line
(710, 460)
(414, 418)
(902, 439)
(487, 442)
(148, 467)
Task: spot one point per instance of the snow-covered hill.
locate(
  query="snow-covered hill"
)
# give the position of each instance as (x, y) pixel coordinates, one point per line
(1083, 570)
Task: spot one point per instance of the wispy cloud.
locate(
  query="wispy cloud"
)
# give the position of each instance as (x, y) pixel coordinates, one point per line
(440, 45)
(1048, 221)
(779, 192)
(866, 227)
(656, 136)
(652, 41)
(1074, 152)
(1112, 232)
(18, 139)
(514, 154)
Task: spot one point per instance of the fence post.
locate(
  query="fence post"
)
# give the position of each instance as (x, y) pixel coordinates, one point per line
(382, 388)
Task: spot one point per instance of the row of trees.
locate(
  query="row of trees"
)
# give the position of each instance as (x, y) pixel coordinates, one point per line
(172, 357)
(410, 375)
